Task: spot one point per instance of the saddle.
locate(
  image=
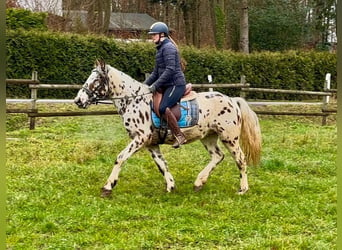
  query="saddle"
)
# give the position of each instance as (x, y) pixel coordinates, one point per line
(189, 94)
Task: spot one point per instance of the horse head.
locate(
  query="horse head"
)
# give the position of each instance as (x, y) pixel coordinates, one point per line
(95, 88)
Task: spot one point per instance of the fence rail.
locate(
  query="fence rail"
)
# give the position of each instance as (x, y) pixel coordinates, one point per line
(34, 84)
(288, 91)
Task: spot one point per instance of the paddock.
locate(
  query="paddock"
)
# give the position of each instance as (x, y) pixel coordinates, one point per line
(60, 165)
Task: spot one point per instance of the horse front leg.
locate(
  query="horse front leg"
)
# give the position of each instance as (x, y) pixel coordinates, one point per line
(131, 148)
(162, 166)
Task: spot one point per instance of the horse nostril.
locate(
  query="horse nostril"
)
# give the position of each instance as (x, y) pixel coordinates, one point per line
(77, 101)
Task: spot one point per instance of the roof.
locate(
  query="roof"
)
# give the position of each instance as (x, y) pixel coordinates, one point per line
(118, 21)
(130, 21)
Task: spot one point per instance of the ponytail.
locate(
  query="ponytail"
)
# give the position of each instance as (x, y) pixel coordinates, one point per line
(182, 60)
(173, 41)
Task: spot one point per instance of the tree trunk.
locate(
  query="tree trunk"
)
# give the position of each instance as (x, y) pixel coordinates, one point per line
(98, 17)
(186, 7)
(107, 13)
(219, 23)
(196, 23)
(244, 28)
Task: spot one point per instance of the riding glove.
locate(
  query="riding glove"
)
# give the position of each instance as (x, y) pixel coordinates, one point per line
(152, 88)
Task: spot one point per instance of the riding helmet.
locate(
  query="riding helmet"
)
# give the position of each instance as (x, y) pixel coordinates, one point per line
(159, 27)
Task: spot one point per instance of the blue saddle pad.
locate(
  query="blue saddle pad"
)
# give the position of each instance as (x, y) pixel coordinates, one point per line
(189, 115)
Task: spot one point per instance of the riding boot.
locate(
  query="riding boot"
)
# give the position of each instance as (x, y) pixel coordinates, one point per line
(173, 125)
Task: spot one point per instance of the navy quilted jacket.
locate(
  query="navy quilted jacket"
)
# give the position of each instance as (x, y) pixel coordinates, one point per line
(167, 70)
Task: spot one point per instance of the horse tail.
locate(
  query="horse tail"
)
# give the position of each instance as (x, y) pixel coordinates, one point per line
(250, 133)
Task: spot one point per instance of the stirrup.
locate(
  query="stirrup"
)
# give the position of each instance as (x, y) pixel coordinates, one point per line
(180, 140)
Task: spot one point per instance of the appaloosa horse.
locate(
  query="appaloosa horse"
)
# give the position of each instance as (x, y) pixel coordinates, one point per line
(220, 117)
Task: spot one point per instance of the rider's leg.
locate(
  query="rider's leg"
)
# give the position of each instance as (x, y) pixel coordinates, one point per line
(171, 96)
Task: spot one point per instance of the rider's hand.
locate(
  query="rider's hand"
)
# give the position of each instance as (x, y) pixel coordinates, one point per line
(152, 88)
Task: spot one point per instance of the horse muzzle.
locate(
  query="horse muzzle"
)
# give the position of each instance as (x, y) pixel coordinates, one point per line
(80, 104)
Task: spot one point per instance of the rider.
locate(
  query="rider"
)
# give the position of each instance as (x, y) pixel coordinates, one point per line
(167, 77)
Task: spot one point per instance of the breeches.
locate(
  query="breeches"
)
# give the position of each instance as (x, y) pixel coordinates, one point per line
(171, 96)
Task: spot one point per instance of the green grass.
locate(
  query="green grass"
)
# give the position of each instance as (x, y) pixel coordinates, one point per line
(55, 172)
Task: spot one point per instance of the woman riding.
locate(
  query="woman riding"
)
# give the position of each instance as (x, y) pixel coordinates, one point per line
(167, 77)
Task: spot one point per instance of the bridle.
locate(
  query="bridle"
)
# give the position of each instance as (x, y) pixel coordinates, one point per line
(94, 98)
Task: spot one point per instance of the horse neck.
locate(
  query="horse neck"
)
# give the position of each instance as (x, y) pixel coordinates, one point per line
(125, 89)
(122, 85)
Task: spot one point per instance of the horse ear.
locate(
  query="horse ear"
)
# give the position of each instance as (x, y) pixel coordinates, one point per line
(103, 65)
(100, 62)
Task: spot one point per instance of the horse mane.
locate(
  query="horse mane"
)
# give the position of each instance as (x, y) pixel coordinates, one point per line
(123, 84)
(121, 76)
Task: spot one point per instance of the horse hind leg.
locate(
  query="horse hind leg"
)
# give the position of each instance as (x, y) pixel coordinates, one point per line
(162, 166)
(240, 159)
(210, 144)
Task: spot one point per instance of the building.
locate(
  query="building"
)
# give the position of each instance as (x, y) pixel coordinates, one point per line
(121, 25)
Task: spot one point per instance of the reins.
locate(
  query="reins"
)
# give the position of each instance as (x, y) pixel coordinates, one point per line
(126, 97)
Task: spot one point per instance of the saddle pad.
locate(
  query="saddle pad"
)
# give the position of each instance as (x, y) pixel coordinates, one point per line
(189, 115)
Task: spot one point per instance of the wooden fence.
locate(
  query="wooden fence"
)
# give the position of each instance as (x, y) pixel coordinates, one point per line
(34, 85)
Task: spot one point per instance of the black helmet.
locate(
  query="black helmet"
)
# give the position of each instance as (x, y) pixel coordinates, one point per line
(159, 27)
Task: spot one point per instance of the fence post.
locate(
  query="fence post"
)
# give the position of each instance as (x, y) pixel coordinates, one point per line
(210, 80)
(326, 98)
(243, 81)
(34, 99)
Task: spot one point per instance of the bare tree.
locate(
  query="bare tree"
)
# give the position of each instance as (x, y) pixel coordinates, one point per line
(51, 6)
(98, 16)
(12, 4)
(214, 23)
(244, 28)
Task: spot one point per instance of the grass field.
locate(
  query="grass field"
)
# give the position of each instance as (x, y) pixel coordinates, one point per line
(55, 172)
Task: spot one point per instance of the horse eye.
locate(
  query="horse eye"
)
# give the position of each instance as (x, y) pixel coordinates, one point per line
(92, 86)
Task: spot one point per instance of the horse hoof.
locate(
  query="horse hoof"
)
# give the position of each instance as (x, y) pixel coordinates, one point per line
(197, 188)
(170, 189)
(242, 191)
(105, 192)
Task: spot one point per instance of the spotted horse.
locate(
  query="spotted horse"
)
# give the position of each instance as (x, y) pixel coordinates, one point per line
(228, 119)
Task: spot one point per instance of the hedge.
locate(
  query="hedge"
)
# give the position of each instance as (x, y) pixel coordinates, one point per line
(69, 58)
(25, 19)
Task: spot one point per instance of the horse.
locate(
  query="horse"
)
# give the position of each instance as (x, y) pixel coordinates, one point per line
(220, 117)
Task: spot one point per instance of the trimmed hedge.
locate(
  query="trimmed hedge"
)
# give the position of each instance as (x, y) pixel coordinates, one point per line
(69, 58)
(297, 70)
(25, 19)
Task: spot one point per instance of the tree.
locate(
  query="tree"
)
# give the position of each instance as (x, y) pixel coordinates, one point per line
(323, 20)
(51, 6)
(276, 25)
(230, 24)
(98, 13)
(98, 17)
(244, 28)
(218, 22)
(12, 4)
